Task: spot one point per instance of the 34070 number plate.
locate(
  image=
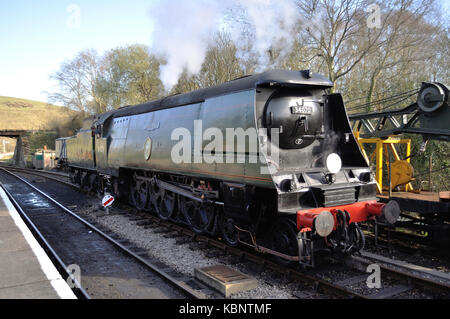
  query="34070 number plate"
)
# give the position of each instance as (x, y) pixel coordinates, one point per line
(301, 109)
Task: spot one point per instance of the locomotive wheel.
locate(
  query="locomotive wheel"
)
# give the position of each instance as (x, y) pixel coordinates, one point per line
(93, 183)
(167, 203)
(357, 238)
(229, 232)
(139, 194)
(199, 216)
(284, 240)
(75, 177)
(154, 194)
(100, 189)
(84, 182)
(186, 207)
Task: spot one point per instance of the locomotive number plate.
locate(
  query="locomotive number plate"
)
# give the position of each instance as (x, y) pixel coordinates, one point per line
(301, 109)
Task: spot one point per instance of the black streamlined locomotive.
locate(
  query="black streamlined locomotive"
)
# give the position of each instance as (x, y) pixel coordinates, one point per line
(267, 160)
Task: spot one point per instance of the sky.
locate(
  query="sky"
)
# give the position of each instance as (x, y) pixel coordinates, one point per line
(37, 36)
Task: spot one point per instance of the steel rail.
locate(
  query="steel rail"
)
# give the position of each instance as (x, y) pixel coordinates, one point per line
(394, 270)
(319, 284)
(402, 242)
(43, 174)
(78, 290)
(177, 283)
(34, 170)
(298, 275)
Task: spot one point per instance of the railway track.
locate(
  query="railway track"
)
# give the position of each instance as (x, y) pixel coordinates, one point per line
(55, 176)
(108, 268)
(62, 268)
(406, 248)
(404, 281)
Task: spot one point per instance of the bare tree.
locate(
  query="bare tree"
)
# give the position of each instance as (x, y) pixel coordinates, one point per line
(77, 82)
(404, 41)
(408, 52)
(337, 34)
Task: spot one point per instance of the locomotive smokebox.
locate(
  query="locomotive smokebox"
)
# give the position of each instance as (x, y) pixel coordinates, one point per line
(297, 117)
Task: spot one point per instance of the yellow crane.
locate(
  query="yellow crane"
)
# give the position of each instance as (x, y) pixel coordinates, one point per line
(429, 116)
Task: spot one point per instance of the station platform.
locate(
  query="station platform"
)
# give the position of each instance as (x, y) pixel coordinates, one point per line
(26, 272)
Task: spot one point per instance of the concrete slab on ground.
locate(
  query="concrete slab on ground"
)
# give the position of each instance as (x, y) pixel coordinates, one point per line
(225, 280)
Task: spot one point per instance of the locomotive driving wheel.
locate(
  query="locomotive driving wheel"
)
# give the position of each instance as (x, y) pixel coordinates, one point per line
(139, 194)
(229, 232)
(154, 194)
(167, 204)
(284, 240)
(198, 215)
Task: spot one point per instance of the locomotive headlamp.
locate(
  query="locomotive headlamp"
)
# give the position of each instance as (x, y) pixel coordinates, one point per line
(324, 223)
(334, 163)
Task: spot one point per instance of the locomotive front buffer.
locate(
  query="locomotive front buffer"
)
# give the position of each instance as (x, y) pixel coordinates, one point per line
(336, 228)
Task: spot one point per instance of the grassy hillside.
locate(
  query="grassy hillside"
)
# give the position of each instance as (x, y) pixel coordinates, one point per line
(45, 122)
(21, 114)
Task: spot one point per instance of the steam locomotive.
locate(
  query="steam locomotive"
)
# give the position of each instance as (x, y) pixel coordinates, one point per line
(267, 160)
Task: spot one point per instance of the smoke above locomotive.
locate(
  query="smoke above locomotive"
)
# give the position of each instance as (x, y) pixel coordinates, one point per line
(185, 44)
(268, 160)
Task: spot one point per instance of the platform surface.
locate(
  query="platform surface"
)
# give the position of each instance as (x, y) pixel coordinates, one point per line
(26, 272)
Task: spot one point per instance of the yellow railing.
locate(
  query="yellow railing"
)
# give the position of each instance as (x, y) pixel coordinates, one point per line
(383, 148)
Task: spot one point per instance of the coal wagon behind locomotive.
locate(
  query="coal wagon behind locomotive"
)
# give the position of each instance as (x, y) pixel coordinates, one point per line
(182, 158)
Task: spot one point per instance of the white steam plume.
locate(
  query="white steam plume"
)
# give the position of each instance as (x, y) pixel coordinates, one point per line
(272, 22)
(182, 33)
(183, 29)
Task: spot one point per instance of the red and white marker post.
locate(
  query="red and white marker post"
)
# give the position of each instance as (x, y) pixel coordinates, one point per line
(107, 201)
